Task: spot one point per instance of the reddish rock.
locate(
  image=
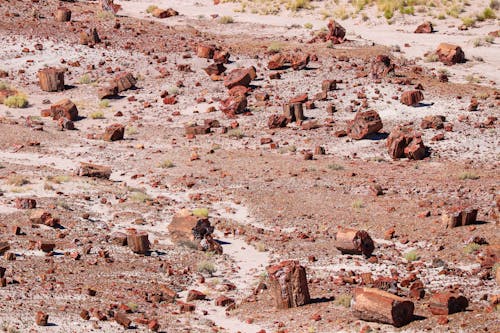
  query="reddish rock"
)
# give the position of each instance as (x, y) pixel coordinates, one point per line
(122, 319)
(64, 109)
(66, 124)
(276, 62)
(302, 98)
(124, 81)
(364, 124)
(93, 170)
(404, 142)
(186, 307)
(205, 51)
(91, 37)
(450, 54)
(215, 69)
(114, 132)
(46, 247)
(459, 216)
(234, 105)
(425, 28)
(25, 203)
(62, 14)
(381, 67)
(107, 91)
(277, 121)
(238, 91)
(41, 318)
(336, 32)
(221, 57)
(153, 325)
(197, 129)
(435, 122)
(237, 77)
(43, 217)
(447, 303)
(164, 13)
(195, 295)
(4, 247)
(288, 284)
(300, 61)
(328, 85)
(138, 242)
(223, 301)
(412, 97)
(51, 79)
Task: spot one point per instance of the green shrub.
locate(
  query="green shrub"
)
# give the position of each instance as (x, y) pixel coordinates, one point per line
(411, 256)
(85, 79)
(472, 248)
(17, 180)
(468, 175)
(308, 25)
(140, 197)
(200, 212)
(295, 5)
(97, 115)
(151, 8)
(343, 300)
(226, 20)
(335, 166)
(16, 101)
(358, 203)
(468, 21)
(274, 47)
(489, 13)
(206, 267)
(166, 164)
(104, 103)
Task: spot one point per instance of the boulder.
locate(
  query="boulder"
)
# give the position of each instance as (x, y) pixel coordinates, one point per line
(381, 67)
(238, 77)
(64, 109)
(336, 32)
(277, 121)
(93, 170)
(364, 124)
(288, 284)
(404, 142)
(114, 132)
(450, 54)
(435, 122)
(425, 28)
(412, 97)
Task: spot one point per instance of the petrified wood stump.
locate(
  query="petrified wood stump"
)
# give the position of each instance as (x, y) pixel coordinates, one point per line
(288, 284)
(51, 79)
(353, 241)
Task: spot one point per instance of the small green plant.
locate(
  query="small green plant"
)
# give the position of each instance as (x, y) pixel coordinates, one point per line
(200, 212)
(104, 15)
(206, 267)
(173, 90)
(85, 79)
(477, 42)
(468, 21)
(295, 5)
(343, 300)
(16, 101)
(140, 197)
(357, 204)
(59, 179)
(235, 133)
(431, 57)
(4, 85)
(17, 180)
(133, 306)
(151, 9)
(411, 256)
(97, 115)
(335, 166)
(472, 248)
(104, 104)
(441, 16)
(226, 20)
(489, 39)
(274, 47)
(308, 25)
(131, 130)
(166, 164)
(489, 13)
(468, 175)
(261, 247)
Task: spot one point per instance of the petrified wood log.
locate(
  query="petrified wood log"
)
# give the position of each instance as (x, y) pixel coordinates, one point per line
(62, 14)
(447, 303)
(51, 79)
(138, 242)
(376, 305)
(353, 241)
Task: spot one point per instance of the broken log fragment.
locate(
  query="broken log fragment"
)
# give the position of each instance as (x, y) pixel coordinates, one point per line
(94, 170)
(124, 81)
(62, 14)
(51, 79)
(456, 218)
(4, 247)
(364, 124)
(352, 241)
(64, 109)
(298, 111)
(376, 305)
(447, 303)
(138, 242)
(288, 284)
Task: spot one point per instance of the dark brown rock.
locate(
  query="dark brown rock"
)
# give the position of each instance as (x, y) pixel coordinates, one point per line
(94, 170)
(238, 77)
(425, 28)
(447, 303)
(64, 109)
(412, 97)
(114, 132)
(435, 122)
